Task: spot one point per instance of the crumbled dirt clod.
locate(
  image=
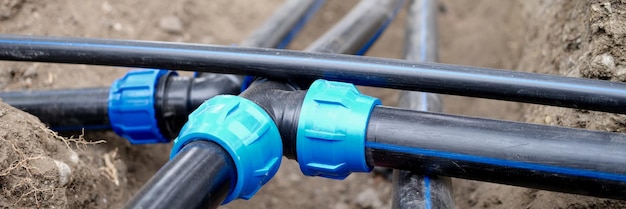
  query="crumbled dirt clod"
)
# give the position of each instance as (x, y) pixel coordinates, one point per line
(35, 168)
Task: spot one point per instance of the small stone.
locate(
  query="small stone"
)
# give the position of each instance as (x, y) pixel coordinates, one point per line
(171, 24)
(118, 26)
(548, 119)
(28, 82)
(31, 71)
(65, 172)
(368, 199)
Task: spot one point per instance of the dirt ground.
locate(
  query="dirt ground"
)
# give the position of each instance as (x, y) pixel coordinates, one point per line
(39, 170)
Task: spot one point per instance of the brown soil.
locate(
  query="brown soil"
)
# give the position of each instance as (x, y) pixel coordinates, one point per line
(573, 38)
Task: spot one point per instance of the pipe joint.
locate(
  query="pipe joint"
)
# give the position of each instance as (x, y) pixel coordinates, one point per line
(131, 106)
(246, 131)
(332, 130)
(282, 101)
(178, 96)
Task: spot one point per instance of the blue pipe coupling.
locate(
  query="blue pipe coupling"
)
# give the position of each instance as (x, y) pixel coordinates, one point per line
(131, 106)
(332, 128)
(243, 129)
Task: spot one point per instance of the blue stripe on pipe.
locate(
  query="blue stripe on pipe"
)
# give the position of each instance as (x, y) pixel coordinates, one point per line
(427, 202)
(301, 23)
(248, 57)
(500, 162)
(380, 31)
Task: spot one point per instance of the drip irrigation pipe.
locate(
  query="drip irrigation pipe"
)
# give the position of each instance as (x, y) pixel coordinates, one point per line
(183, 182)
(412, 190)
(535, 156)
(280, 29)
(278, 22)
(369, 17)
(72, 109)
(283, 64)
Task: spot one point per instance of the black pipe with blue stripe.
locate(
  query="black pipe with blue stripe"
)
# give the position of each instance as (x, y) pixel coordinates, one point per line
(529, 155)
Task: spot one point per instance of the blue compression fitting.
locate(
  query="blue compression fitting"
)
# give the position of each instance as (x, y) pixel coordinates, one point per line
(245, 131)
(332, 128)
(499, 162)
(131, 106)
(380, 31)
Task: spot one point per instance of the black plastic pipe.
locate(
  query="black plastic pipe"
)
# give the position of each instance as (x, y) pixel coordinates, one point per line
(356, 32)
(200, 176)
(412, 190)
(284, 24)
(283, 64)
(359, 29)
(535, 156)
(280, 29)
(177, 96)
(73, 109)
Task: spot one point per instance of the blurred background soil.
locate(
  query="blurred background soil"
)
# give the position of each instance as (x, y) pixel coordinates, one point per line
(571, 38)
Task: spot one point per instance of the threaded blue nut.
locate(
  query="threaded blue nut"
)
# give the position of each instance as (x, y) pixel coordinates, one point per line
(332, 128)
(131, 106)
(243, 129)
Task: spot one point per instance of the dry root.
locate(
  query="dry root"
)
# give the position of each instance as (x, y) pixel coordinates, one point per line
(80, 141)
(109, 170)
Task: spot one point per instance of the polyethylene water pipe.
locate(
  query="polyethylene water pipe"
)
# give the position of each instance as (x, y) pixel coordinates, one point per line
(282, 27)
(412, 190)
(283, 64)
(359, 29)
(69, 109)
(186, 185)
(536, 156)
(355, 33)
